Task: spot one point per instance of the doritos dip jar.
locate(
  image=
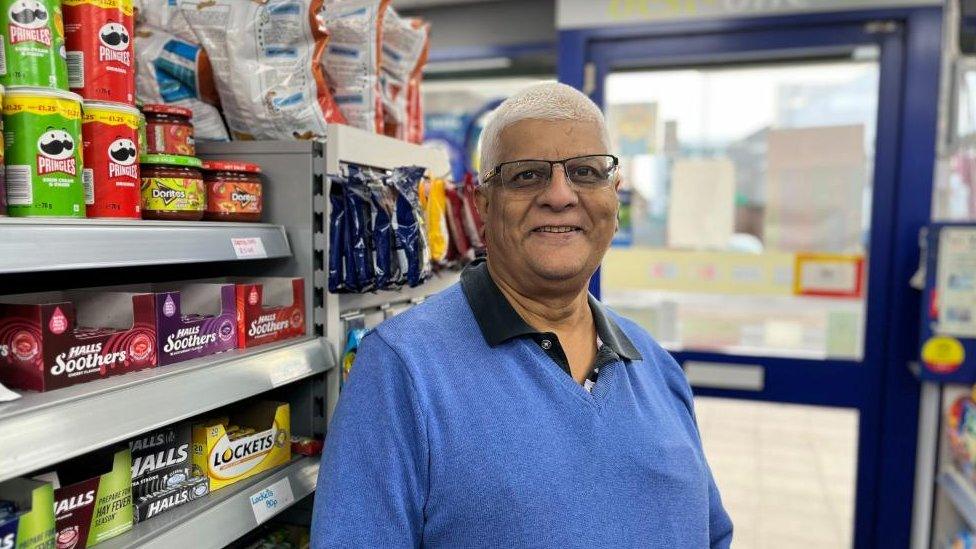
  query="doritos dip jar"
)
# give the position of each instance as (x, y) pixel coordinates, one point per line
(234, 191)
(168, 130)
(172, 188)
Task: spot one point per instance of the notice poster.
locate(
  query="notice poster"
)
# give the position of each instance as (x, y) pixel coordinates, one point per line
(956, 283)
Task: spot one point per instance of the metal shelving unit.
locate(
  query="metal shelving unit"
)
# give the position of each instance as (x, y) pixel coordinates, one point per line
(36, 245)
(42, 429)
(221, 517)
(961, 493)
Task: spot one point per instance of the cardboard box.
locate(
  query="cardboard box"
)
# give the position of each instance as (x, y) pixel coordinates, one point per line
(56, 339)
(270, 309)
(226, 459)
(33, 526)
(97, 508)
(195, 320)
(163, 476)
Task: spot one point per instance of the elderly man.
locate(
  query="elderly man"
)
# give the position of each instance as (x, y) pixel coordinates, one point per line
(513, 409)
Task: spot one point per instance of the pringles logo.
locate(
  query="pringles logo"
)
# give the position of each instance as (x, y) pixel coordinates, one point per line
(56, 152)
(122, 156)
(114, 45)
(29, 22)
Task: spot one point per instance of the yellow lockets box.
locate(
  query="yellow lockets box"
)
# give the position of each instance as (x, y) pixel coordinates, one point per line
(260, 441)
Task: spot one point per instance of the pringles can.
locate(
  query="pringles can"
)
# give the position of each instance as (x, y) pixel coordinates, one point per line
(43, 153)
(111, 178)
(101, 61)
(33, 44)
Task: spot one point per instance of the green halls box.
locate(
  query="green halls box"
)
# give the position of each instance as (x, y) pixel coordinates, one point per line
(92, 509)
(33, 526)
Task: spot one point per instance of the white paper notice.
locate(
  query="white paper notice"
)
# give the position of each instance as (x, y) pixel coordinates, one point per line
(956, 282)
(272, 500)
(249, 248)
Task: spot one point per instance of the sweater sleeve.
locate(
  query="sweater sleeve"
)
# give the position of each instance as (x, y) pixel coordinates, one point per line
(372, 484)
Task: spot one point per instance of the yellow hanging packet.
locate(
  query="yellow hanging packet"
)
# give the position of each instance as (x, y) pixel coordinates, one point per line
(433, 199)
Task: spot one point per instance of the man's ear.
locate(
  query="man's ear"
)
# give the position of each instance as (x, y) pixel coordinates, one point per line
(482, 197)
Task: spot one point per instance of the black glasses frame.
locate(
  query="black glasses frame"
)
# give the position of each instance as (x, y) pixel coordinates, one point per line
(552, 165)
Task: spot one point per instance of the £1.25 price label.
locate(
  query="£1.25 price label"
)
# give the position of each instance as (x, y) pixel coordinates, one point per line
(248, 248)
(271, 500)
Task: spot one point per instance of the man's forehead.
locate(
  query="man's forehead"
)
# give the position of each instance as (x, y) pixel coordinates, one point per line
(551, 139)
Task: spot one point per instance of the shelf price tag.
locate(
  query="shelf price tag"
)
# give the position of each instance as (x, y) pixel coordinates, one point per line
(272, 500)
(249, 248)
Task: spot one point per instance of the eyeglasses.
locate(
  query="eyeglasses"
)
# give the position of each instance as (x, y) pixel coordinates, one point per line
(585, 173)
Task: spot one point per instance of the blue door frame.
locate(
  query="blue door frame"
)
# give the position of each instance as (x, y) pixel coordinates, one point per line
(881, 386)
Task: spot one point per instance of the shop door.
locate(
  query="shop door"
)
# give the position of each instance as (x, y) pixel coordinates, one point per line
(759, 173)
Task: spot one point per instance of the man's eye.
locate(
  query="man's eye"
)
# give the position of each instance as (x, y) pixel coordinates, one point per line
(527, 176)
(584, 171)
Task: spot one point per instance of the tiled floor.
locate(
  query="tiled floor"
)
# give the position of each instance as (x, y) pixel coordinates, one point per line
(786, 472)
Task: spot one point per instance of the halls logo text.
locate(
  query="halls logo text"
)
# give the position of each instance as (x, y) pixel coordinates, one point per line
(144, 465)
(266, 325)
(188, 338)
(230, 459)
(63, 506)
(173, 500)
(81, 358)
(7, 542)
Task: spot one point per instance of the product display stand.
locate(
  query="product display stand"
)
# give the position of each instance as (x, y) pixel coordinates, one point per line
(42, 429)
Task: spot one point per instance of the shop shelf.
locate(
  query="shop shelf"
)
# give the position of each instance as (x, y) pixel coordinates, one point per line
(41, 429)
(961, 493)
(35, 244)
(221, 517)
(360, 302)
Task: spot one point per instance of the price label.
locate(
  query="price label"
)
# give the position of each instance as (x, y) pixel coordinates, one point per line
(272, 500)
(249, 248)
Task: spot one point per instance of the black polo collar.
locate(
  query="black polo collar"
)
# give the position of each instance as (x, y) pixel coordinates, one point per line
(499, 322)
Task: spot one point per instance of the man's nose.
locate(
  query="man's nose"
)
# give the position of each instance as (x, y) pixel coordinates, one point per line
(559, 194)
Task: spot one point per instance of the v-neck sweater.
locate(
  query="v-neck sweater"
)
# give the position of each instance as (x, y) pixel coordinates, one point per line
(441, 440)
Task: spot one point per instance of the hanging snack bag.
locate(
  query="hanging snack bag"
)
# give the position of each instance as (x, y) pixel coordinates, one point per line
(337, 236)
(353, 338)
(33, 44)
(278, 45)
(459, 246)
(42, 133)
(389, 276)
(473, 224)
(360, 276)
(101, 62)
(409, 224)
(177, 72)
(352, 59)
(404, 40)
(433, 200)
(164, 15)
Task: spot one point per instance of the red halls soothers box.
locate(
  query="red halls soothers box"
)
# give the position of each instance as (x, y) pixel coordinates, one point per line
(57, 339)
(270, 309)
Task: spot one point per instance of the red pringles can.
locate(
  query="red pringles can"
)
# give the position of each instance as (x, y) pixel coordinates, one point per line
(98, 37)
(111, 177)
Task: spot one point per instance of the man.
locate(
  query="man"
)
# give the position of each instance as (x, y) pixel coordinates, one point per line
(513, 410)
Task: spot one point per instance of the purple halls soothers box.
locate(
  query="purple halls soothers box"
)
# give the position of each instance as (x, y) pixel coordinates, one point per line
(195, 320)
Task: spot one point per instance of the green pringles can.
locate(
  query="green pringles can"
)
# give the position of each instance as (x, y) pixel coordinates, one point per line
(34, 52)
(42, 134)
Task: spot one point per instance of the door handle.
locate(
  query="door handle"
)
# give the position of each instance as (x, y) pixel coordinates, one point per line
(721, 375)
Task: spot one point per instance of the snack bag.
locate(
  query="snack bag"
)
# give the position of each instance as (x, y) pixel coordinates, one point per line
(164, 15)
(410, 234)
(404, 41)
(385, 263)
(360, 276)
(473, 224)
(433, 199)
(337, 236)
(353, 338)
(459, 247)
(352, 59)
(266, 60)
(415, 105)
(171, 70)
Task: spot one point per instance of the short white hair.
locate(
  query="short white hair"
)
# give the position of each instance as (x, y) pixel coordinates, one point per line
(547, 101)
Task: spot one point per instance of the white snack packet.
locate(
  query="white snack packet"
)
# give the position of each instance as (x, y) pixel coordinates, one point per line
(352, 59)
(404, 40)
(266, 62)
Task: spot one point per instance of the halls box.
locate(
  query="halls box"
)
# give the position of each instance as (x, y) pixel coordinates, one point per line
(269, 310)
(163, 476)
(56, 339)
(243, 444)
(95, 508)
(194, 320)
(32, 527)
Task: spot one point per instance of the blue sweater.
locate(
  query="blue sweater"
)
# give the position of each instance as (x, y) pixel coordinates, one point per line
(440, 440)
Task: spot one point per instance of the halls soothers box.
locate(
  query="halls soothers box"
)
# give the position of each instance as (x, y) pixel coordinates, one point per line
(57, 339)
(195, 320)
(270, 309)
(245, 443)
